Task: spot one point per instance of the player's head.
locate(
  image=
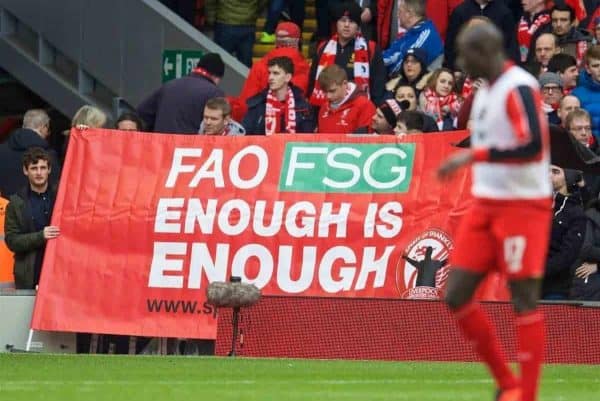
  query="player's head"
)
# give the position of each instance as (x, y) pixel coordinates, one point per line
(481, 50)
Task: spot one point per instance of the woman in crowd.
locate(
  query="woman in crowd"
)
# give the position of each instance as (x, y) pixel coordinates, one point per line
(440, 100)
(413, 72)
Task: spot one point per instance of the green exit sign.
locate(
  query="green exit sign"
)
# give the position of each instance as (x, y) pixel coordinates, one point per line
(178, 63)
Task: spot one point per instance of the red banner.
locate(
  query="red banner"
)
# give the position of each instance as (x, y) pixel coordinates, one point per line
(148, 220)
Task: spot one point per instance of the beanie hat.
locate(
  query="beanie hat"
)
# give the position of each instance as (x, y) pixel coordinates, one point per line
(419, 54)
(550, 78)
(347, 9)
(213, 64)
(287, 34)
(390, 109)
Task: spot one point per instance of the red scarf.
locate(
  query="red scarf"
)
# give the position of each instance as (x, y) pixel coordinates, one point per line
(361, 67)
(467, 88)
(274, 110)
(434, 104)
(204, 73)
(525, 32)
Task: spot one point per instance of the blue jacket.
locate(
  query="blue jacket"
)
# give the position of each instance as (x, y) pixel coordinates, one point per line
(254, 121)
(423, 35)
(588, 92)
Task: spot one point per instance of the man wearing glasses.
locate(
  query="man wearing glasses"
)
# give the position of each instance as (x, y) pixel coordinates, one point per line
(579, 124)
(552, 93)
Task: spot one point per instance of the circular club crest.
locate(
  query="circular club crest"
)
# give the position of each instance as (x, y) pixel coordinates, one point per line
(421, 272)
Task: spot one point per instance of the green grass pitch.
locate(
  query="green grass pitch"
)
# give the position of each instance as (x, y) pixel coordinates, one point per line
(153, 378)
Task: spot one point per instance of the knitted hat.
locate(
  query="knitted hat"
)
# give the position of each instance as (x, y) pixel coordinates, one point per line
(390, 109)
(213, 64)
(347, 9)
(547, 78)
(287, 34)
(419, 54)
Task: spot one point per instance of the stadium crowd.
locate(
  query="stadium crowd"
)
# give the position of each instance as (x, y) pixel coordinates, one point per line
(376, 67)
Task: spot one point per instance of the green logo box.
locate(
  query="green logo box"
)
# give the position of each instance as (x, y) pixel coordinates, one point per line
(347, 167)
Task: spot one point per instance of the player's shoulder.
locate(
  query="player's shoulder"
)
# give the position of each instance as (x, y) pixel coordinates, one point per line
(515, 77)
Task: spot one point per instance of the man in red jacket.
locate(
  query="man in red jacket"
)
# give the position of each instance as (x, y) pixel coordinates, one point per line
(347, 110)
(287, 44)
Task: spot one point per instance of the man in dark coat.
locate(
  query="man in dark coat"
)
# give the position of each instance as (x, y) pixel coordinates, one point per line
(27, 224)
(35, 130)
(586, 279)
(178, 106)
(568, 230)
(496, 11)
(280, 108)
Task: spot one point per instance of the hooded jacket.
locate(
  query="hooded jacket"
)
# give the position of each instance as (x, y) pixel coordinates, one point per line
(352, 116)
(11, 160)
(568, 230)
(588, 93)
(178, 106)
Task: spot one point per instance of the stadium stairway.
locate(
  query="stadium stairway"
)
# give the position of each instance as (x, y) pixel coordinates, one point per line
(106, 53)
(310, 26)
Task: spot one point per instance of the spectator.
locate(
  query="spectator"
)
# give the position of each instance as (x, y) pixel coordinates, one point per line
(34, 133)
(384, 119)
(129, 122)
(439, 99)
(534, 21)
(546, 46)
(588, 90)
(571, 40)
(568, 229)
(594, 28)
(348, 110)
(552, 88)
(567, 104)
(586, 279)
(287, 44)
(281, 108)
(388, 26)
(579, 125)
(496, 11)
(186, 9)
(406, 96)
(177, 106)
(420, 33)
(326, 8)
(409, 122)
(297, 12)
(89, 116)
(235, 27)
(565, 66)
(360, 58)
(28, 216)
(413, 71)
(367, 18)
(217, 120)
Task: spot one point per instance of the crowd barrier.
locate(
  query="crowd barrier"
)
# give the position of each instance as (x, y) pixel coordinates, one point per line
(401, 330)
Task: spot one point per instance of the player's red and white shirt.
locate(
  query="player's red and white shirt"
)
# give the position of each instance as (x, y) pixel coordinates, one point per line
(510, 139)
